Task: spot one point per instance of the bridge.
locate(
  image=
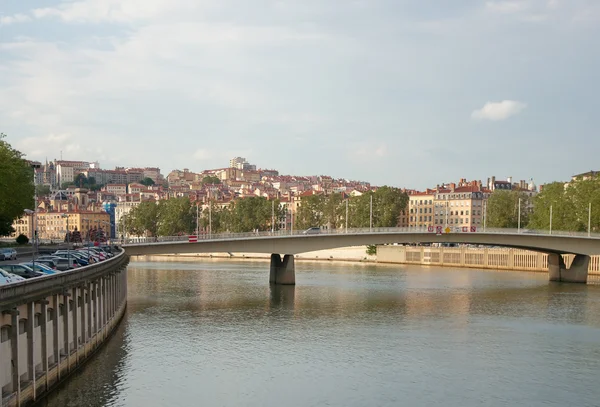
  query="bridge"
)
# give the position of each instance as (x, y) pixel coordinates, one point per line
(282, 270)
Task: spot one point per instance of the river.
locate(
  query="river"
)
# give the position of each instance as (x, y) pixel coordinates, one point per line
(214, 333)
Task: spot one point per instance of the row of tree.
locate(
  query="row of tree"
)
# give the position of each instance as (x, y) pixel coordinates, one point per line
(178, 216)
(569, 204)
(16, 186)
(331, 210)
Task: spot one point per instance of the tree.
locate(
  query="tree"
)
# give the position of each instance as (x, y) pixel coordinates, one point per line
(147, 181)
(176, 217)
(388, 203)
(22, 239)
(310, 212)
(209, 179)
(16, 186)
(142, 220)
(248, 214)
(42, 190)
(503, 209)
(334, 211)
(80, 181)
(218, 216)
(570, 206)
(66, 185)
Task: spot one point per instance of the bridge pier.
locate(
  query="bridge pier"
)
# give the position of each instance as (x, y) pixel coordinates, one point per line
(577, 273)
(282, 272)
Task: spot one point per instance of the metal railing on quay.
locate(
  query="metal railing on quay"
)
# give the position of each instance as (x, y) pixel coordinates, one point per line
(341, 231)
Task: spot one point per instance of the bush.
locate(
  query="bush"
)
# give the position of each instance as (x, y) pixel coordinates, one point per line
(371, 250)
(22, 239)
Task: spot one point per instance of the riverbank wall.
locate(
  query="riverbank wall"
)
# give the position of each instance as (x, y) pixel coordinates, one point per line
(50, 326)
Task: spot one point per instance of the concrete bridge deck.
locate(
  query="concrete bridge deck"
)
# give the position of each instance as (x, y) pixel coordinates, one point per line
(289, 244)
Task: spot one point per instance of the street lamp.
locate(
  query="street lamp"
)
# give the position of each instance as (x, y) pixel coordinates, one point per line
(34, 233)
(65, 215)
(371, 214)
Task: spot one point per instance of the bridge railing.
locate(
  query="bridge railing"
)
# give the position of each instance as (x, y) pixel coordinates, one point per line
(341, 231)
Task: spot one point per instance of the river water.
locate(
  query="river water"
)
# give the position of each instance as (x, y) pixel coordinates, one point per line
(213, 333)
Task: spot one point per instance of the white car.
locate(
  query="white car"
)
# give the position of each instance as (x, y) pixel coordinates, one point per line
(7, 278)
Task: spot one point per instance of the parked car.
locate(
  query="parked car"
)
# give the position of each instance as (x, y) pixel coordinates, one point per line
(47, 262)
(9, 254)
(20, 270)
(94, 258)
(2, 257)
(64, 265)
(7, 278)
(312, 231)
(73, 254)
(48, 258)
(39, 267)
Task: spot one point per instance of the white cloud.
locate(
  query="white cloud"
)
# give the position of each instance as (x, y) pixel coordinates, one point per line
(498, 110)
(507, 6)
(17, 18)
(203, 154)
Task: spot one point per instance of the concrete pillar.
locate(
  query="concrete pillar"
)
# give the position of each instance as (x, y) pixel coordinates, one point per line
(75, 315)
(82, 310)
(90, 314)
(56, 350)
(31, 345)
(282, 272)
(577, 273)
(66, 341)
(14, 348)
(44, 333)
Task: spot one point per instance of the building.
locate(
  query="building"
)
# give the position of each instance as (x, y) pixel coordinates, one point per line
(461, 206)
(421, 209)
(52, 226)
(241, 164)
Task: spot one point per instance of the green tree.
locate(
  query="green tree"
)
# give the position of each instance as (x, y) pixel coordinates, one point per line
(147, 181)
(209, 179)
(248, 214)
(66, 185)
(176, 217)
(388, 203)
(142, 220)
(16, 186)
(334, 211)
(42, 190)
(503, 209)
(310, 212)
(570, 206)
(219, 217)
(80, 181)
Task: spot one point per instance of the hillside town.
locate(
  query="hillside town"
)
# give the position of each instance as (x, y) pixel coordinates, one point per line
(90, 198)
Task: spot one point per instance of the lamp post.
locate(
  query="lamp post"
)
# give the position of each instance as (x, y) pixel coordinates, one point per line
(272, 216)
(590, 220)
(33, 221)
(65, 215)
(371, 214)
(197, 220)
(550, 219)
(346, 215)
(519, 221)
(484, 214)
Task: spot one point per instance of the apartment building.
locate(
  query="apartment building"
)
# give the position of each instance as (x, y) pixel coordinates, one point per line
(421, 209)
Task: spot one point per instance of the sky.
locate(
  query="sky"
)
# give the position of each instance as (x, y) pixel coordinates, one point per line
(409, 93)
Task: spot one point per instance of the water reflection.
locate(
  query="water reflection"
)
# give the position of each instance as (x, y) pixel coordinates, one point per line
(282, 297)
(215, 333)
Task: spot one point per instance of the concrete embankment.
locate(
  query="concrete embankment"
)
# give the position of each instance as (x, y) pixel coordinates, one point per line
(51, 325)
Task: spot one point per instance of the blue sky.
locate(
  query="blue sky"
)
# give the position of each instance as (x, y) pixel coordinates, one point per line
(409, 93)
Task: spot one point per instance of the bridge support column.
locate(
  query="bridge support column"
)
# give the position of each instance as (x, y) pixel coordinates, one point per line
(282, 272)
(577, 273)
